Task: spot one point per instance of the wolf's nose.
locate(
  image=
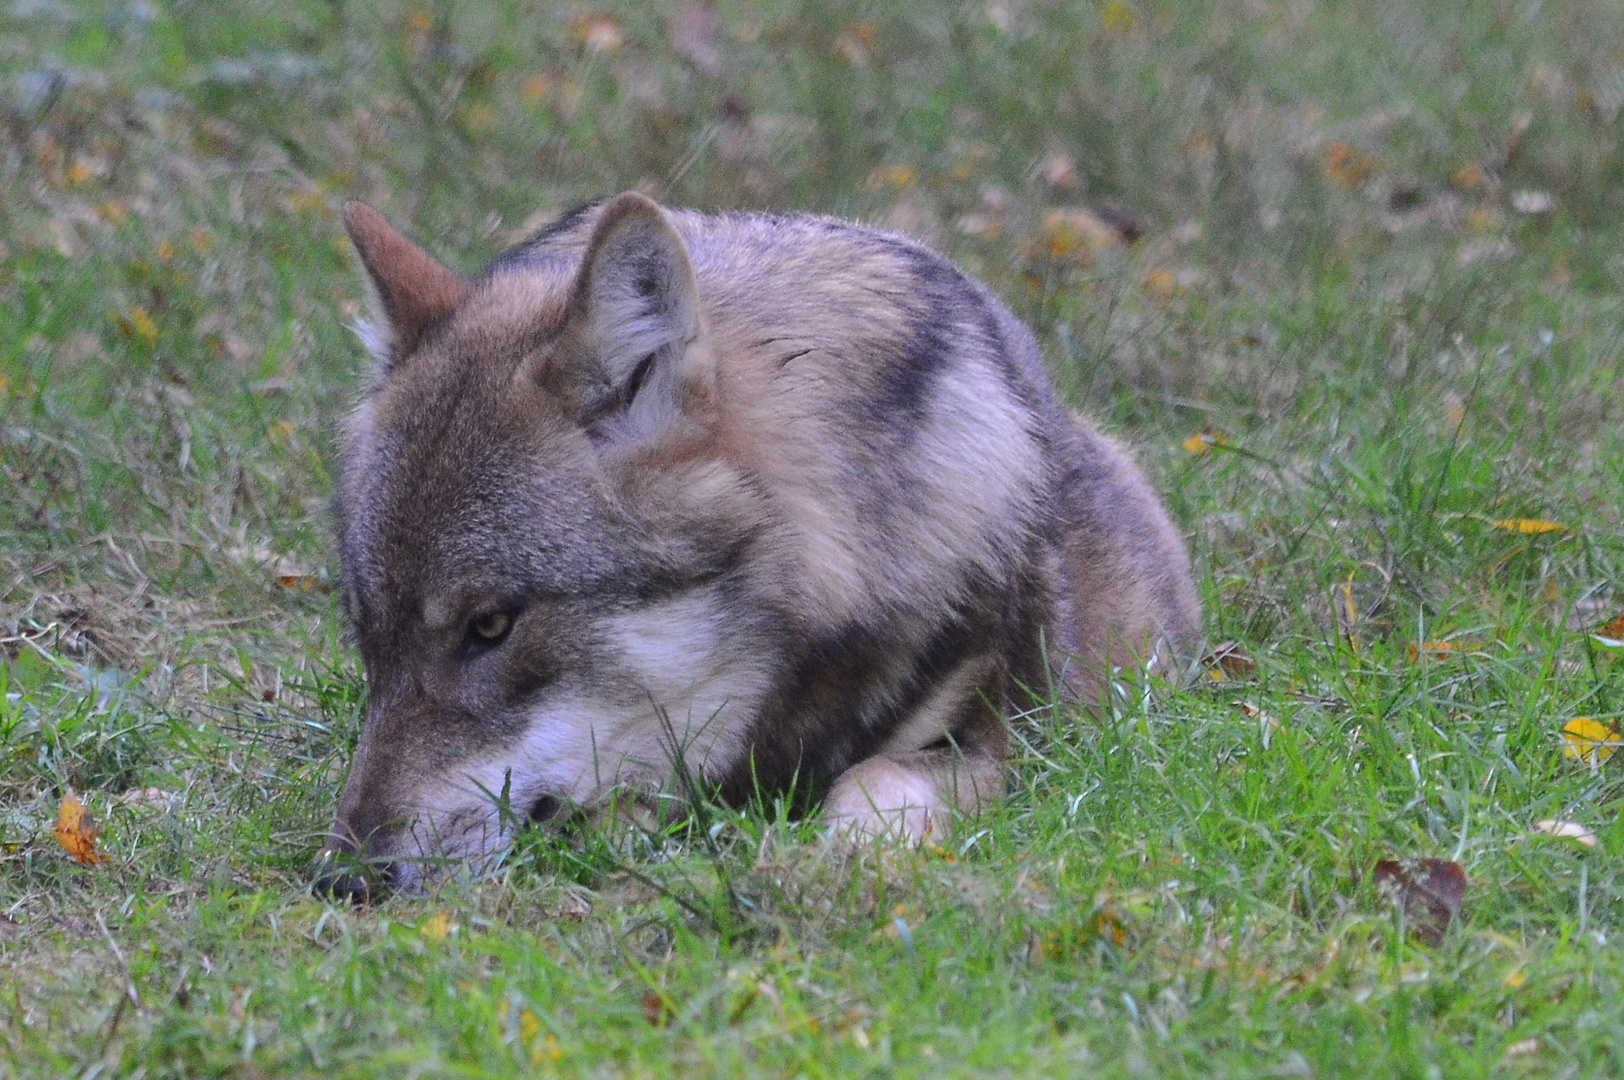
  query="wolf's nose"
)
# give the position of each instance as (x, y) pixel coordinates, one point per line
(340, 875)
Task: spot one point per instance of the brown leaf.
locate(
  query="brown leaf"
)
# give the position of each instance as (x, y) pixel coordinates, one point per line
(657, 1008)
(1230, 660)
(1429, 891)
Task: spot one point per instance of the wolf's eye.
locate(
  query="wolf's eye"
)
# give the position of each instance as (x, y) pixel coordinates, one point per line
(490, 627)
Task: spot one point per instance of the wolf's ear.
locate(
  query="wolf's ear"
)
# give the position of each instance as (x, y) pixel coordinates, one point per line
(410, 290)
(640, 360)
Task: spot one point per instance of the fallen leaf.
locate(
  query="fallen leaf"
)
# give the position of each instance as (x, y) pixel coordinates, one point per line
(1430, 892)
(1592, 741)
(1118, 17)
(76, 832)
(1567, 830)
(1611, 634)
(1161, 283)
(1076, 234)
(657, 1008)
(435, 927)
(1438, 650)
(1109, 924)
(1529, 525)
(137, 324)
(1203, 441)
(1469, 177)
(1346, 167)
(529, 1025)
(1229, 660)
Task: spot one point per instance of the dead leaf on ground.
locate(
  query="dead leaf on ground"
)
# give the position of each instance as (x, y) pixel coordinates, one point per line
(1203, 441)
(1439, 650)
(1229, 660)
(1529, 526)
(1566, 830)
(1591, 741)
(1346, 167)
(1611, 634)
(657, 1008)
(76, 832)
(1077, 234)
(1430, 892)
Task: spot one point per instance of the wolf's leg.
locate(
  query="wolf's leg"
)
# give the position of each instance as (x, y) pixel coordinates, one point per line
(910, 797)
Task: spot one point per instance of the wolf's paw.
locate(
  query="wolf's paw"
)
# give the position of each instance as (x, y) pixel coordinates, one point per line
(882, 799)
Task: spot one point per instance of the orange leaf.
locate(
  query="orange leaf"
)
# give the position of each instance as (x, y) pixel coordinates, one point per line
(1346, 167)
(1438, 650)
(76, 833)
(1202, 441)
(1611, 634)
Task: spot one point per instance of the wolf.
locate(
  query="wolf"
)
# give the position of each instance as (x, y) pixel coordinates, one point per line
(776, 503)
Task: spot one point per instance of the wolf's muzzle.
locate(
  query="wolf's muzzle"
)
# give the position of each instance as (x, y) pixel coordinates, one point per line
(341, 874)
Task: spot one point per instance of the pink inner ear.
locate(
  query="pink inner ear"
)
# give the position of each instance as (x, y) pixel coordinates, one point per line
(415, 289)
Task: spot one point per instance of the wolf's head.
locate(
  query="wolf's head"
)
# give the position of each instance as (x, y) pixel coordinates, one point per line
(538, 538)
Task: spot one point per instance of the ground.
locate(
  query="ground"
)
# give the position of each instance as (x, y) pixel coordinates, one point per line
(1347, 277)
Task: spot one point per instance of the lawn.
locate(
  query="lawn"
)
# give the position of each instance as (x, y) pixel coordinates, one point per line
(1366, 341)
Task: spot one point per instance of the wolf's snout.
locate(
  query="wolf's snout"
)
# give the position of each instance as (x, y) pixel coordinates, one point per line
(343, 872)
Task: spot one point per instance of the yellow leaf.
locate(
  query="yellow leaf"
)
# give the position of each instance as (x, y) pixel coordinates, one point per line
(1203, 441)
(529, 1025)
(1529, 525)
(1117, 17)
(166, 251)
(896, 176)
(76, 833)
(548, 1050)
(137, 324)
(436, 926)
(1515, 979)
(1161, 284)
(1584, 739)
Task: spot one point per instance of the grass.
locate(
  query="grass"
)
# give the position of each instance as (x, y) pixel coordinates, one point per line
(1345, 282)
